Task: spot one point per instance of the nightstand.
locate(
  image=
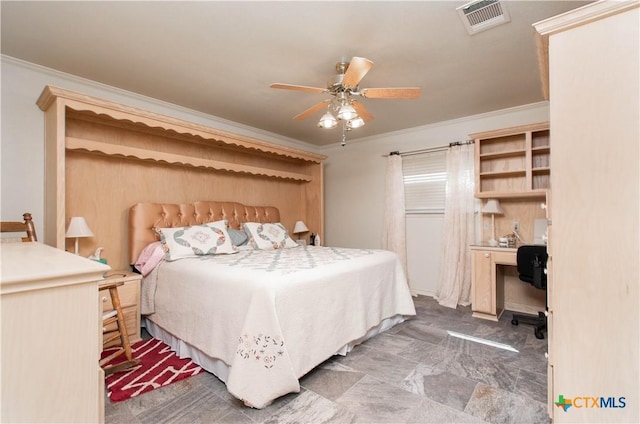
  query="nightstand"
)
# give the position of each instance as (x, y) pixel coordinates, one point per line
(129, 294)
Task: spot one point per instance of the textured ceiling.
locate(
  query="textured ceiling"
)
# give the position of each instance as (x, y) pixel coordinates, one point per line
(220, 57)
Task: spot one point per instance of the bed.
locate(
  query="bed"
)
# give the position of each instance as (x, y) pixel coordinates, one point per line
(260, 318)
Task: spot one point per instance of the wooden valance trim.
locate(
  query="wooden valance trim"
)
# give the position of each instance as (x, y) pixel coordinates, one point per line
(109, 149)
(81, 102)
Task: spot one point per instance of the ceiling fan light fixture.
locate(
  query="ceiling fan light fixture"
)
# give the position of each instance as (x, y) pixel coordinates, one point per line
(343, 87)
(355, 123)
(328, 121)
(347, 112)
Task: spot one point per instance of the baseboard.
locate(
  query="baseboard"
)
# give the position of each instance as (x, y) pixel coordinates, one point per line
(417, 292)
(525, 309)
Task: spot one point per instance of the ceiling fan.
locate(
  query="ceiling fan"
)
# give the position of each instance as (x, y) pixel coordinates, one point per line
(344, 87)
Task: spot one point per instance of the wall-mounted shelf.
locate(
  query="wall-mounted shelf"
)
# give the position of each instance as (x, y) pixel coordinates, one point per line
(120, 115)
(513, 162)
(109, 149)
(503, 174)
(504, 154)
(540, 194)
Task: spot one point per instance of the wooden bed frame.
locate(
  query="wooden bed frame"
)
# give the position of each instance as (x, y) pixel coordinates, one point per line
(143, 217)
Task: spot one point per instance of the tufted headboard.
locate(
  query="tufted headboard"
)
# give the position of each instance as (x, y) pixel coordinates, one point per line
(143, 217)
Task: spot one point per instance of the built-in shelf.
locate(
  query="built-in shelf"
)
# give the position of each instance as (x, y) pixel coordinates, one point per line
(102, 157)
(513, 162)
(504, 174)
(541, 150)
(545, 170)
(533, 194)
(109, 149)
(110, 113)
(505, 154)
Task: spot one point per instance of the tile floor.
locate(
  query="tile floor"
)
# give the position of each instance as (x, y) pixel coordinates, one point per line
(415, 373)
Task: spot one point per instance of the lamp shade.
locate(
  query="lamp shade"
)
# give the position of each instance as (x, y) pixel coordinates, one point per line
(78, 228)
(493, 207)
(355, 123)
(347, 112)
(300, 228)
(328, 121)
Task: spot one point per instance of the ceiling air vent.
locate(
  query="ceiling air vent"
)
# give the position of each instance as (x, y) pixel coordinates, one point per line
(483, 14)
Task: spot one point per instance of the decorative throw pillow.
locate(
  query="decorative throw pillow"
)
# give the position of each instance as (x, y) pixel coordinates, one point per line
(211, 238)
(238, 237)
(268, 236)
(150, 257)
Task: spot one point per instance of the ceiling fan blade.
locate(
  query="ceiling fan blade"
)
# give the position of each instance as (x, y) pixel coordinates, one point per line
(362, 111)
(298, 88)
(313, 109)
(391, 93)
(358, 68)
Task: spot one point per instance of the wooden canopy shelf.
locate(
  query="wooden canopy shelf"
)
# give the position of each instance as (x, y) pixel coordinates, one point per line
(118, 112)
(102, 157)
(176, 159)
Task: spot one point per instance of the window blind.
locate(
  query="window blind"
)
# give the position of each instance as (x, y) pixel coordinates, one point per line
(425, 178)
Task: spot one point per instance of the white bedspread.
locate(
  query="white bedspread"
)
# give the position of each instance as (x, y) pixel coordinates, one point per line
(272, 316)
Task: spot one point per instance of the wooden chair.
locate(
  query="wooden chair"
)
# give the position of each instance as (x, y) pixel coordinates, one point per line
(21, 227)
(120, 333)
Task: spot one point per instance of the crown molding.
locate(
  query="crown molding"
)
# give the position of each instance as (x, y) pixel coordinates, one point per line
(568, 20)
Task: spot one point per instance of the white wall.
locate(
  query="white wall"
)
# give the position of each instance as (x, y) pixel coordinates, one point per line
(354, 188)
(22, 144)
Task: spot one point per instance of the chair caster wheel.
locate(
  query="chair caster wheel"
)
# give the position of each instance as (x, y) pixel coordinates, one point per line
(539, 335)
(514, 322)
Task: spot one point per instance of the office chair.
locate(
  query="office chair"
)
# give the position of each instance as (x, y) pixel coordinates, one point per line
(531, 263)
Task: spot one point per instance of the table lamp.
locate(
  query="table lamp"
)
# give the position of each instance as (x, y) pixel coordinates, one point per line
(299, 228)
(493, 207)
(78, 228)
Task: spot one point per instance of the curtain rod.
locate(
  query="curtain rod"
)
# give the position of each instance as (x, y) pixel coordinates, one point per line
(430, 149)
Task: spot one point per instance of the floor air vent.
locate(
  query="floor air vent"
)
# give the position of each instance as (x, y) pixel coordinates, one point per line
(483, 14)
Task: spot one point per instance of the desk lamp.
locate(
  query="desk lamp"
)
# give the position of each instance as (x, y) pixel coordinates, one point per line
(78, 228)
(299, 228)
(493, 207)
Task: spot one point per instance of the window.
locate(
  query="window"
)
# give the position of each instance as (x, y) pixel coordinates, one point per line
(425, 178)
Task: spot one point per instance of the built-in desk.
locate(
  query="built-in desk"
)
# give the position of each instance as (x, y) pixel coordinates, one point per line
(487, 279)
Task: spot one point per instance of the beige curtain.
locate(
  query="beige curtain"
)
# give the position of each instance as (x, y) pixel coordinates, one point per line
(454, 287)
(394, 236)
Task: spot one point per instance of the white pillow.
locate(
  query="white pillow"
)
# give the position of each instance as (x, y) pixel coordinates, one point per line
(211, 238)
(268, 236)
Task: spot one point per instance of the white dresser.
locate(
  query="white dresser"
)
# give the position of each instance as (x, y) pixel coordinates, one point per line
(50, 335)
